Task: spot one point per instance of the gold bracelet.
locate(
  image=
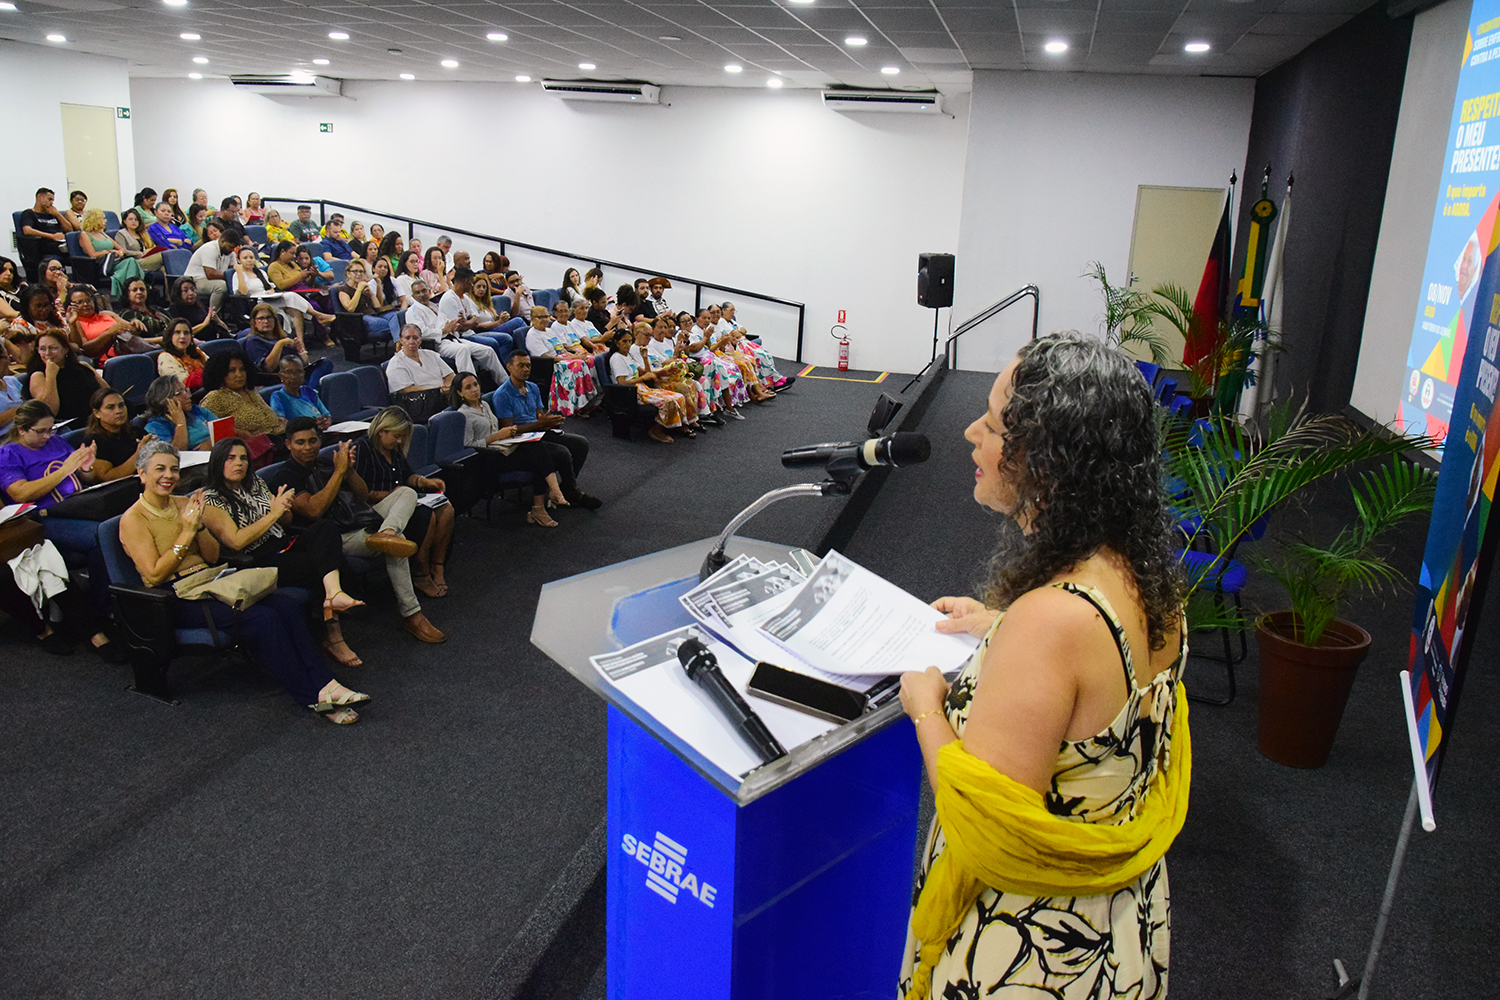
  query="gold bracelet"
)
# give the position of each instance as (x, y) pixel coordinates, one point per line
(918, 718)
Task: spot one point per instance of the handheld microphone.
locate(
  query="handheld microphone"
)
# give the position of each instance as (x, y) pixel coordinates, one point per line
(893, 449)
(703, 669)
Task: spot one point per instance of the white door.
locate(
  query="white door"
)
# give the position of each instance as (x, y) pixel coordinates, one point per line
(90, 157)
(1174, 230)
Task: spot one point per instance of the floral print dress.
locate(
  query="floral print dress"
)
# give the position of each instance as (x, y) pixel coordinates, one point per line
(573, 385)
(1092, 947)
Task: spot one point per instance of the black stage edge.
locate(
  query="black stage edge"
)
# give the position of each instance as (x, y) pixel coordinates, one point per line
(852, 515)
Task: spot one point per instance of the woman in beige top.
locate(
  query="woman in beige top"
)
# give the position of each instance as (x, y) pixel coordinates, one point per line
(164, 537)
(226, 376)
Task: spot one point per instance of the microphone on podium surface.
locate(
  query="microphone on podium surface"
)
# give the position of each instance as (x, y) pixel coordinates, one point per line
(703, 669)
(893, 450)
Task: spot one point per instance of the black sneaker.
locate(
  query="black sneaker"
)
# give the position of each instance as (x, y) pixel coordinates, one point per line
(786, 383)
(586, 501)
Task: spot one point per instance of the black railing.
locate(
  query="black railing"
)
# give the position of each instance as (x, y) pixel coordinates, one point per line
(411, 229)
(994, 310)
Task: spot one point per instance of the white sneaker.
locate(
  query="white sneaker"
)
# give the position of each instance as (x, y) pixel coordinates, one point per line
(736, 414)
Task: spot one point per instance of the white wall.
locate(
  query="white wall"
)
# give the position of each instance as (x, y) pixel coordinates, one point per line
(1053, 164)
(1417, 155)
(758, 190)
(35, 81)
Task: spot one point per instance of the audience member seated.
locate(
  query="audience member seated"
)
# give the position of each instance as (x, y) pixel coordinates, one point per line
(173, 417)
(180, 355)
(598, 314)
(357, 240)
(209, 263)
(521, 299)
(115, 442)
(251, 522)
(367, 298)
(276, 232)
(377, 233)
(408, 270)
(518, 403)
(226, 376)
(165, 234)
(571, 293)
(435, 271)
(254, 213)
(319, 271)
(38, 314)
(146, 321)
(496, 453)
(247, 279)
(417, 376)
(99, 333)
(765, 361)
(578, 335)
(193, 228)
(304, 230)
(391, 249)
(12, 393)
(205, 320)
(38, 467)
(643, 308)
(329, 490)
(165, 537)
(372, 254)
(678, 373)
(97, 245)
(495, 267)
(728, 344)
(10, 291)
(54, 278)
(45, 221)
(78, 203)
(132, 242)
(721, 378)
(335, 239)
(573, 389)
(380, 462)
(268, 344)
(297, 399)
(57, 378)
(145, 203)
(658, 300)
(670, 406)
(454, 319)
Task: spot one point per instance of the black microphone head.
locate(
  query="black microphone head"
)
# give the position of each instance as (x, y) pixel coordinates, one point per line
(690, 651)
(904, 449)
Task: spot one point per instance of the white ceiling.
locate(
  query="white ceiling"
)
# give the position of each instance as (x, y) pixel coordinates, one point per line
(932, 42)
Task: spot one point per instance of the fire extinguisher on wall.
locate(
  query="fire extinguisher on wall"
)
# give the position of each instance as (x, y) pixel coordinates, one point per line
(841, 334)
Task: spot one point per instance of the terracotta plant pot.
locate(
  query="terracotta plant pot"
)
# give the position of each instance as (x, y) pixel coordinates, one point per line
(1303, 689)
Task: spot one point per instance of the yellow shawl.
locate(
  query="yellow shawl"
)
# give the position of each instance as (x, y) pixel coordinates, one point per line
(1000, 834)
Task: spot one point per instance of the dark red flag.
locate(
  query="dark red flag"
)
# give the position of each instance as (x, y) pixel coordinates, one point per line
(1213, 295)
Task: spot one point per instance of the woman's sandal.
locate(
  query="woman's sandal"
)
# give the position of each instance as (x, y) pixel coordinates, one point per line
(556, 500)
(342, 716)
(441, 585)
(540, 517)
(345, 700)
(328, 648)
(331, 610)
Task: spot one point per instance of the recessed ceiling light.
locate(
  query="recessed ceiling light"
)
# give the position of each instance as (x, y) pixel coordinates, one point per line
(801, 1)
(587, 66)
(408, 76)
(856, 40)
(175, 3)
(1196, 47)
(450, 64)
(195, 76)
(523, 78)
(1055, 47)
(7, 5)
(890, 70)
(201, 60)
(319, 62)
(775, 82)
(497, 36)
(189, 36)
(734, 68)
(669, 38)
(57, 38)
(339, 36)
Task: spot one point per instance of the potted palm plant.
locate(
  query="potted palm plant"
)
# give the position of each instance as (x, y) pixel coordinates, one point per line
(1308, 655)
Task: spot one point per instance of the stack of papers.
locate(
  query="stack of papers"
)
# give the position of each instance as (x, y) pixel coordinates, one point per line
(830, 619)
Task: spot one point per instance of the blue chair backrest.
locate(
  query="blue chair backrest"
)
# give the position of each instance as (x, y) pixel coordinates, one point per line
(111, 221)
(315, 247)
(601, 370)
(131, 374)
(1148, 371)
(73, 438)
(340, 393)
(545, 297)
(419, 455)
(121, 567)
(174, 262)
(488, 399)
(75, 248)
(267, 391)
(446, 432)
(327, 451)
(212, 347)
(338, 265)
(1166, 391)
(269, 471)
(372, 388)
(15, 218)
(257, 234)
(1182, 406)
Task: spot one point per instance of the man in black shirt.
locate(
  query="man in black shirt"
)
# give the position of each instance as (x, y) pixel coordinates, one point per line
(46, 224)
(331, 488)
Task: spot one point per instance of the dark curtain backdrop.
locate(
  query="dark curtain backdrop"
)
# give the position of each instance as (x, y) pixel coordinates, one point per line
(1329, 116)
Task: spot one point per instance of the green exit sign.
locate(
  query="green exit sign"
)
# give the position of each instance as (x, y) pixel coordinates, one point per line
(122, 112)
(325, 126)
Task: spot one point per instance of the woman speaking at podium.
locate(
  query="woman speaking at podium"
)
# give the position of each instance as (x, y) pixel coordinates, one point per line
(1059, 758)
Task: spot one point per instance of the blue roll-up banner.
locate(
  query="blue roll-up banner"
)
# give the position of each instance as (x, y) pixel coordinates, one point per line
(1450, 394)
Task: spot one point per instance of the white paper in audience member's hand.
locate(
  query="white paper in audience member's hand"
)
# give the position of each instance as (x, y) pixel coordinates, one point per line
(847, 620)
(433, 500)
(650, 675)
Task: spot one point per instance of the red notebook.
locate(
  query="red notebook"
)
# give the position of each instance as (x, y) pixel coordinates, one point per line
(220, 429)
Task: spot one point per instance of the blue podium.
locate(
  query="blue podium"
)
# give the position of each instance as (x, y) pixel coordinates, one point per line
(794, 882)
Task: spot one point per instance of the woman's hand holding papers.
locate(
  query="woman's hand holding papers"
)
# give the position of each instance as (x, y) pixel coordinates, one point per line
(965, 615)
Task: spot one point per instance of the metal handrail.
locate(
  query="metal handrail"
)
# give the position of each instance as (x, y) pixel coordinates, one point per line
(1005, 303)
(412, 224)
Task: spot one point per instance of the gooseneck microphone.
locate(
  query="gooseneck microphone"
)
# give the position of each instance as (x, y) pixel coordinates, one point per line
(893, 449)
(703, 669)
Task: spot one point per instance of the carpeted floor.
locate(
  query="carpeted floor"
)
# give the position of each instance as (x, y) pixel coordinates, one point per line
(237, 846)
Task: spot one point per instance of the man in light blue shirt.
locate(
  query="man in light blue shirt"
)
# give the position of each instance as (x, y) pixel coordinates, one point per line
(519, 403)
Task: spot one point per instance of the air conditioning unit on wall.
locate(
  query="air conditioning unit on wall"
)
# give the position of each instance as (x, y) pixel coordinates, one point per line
(290, 84)
(916, 102)
(596, 90)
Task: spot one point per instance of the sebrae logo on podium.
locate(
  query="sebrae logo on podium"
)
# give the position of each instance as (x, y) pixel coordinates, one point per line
(667, 874)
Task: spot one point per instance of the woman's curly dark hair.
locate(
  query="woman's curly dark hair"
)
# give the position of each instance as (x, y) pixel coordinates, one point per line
(217, 366)
(1080, 448)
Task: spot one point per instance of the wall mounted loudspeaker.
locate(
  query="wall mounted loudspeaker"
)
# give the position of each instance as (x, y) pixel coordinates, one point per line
(935, 280)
